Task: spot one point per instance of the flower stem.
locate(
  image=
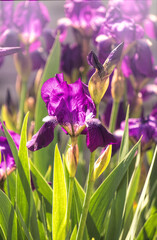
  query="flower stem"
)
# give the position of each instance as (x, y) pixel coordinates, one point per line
(70, 193)
(97, 110)
(22, 103)
(113, 118)
(90, 185)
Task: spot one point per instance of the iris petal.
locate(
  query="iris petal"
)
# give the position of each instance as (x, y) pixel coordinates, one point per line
(43, 137)
(97, 135)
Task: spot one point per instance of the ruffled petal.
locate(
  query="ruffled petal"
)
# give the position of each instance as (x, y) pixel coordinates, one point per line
(97, 135)
(44, 136)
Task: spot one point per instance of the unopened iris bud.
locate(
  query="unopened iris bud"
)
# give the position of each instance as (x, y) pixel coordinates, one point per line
(102, 162)
(117, 86)
(71, 159)
(99, 81)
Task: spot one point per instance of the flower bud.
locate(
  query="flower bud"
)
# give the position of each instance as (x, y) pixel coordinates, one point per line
(102, 162)
(117, 86)
(99, 81)
(71, 159)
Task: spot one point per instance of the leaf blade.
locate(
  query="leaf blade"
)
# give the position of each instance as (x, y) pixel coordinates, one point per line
(41, 111)
(59, 198)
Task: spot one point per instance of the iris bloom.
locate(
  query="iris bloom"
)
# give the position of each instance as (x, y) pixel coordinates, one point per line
(70, 106)
(139, 64)
(119, 28)
(85, 16)
(136, 9)
(30, 19)
(145, 127)
(71, 58)
(7, 164)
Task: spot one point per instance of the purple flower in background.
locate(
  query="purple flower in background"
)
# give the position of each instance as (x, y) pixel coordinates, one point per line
(86, 16)
(107, 114)
(117, 28)
(8, 34)
(150, 26)
(135, 9)
(139, 63)
(7, 161)
(71, 58)
(145, 127)
(70, 106)
(149, 91)
(30, 18)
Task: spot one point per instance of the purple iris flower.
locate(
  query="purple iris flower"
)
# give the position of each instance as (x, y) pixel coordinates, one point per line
(7, 161)
(145, 127)
(150, 26)
(117, 28)
(70, 106)
(86, 16)
(149, 91)
(30, 18)
(135, 9)
(139, 63)
(71, 58)
(8, 34)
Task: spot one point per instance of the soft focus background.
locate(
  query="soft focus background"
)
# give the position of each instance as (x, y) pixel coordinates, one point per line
(56, 11)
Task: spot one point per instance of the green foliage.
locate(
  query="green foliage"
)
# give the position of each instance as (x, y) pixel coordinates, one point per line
(103, 196)
(8, 217)
(141, 202)
(59, 198)
(118, 203)
(44, 157)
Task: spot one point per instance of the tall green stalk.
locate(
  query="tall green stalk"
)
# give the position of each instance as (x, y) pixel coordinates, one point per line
(89, 191)
(22, 103)
(90, 185)
(113, 118)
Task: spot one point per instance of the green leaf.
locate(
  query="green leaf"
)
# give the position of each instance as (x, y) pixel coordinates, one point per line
(20, 218)
(8, 218)
(117, 210)
(11, 144)
(149, 229)
(23, 176)
(59, 199)
(40, 183)
(79, 195)
(102, 198)
(133, 185)
(43, 217)
(124, 148)
(74, 233)
(25, 201)
(133, 228)
(44, 190)
(43, 157)
(12, 186)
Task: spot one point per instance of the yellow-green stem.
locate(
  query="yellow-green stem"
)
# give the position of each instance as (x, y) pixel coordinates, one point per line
(22, 103)
(97, 110)
(89, 191)
(113, 117)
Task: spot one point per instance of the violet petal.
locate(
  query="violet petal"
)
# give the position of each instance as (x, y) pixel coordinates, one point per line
(43, 137)
(97, 135)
